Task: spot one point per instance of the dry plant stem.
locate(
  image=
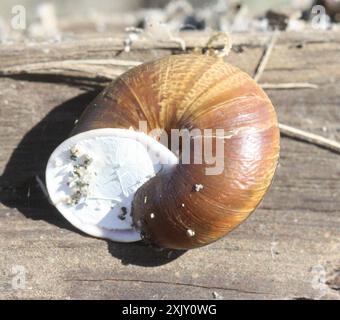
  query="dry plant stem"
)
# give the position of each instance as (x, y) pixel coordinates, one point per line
(309, 137)
(96, 67)
(68, 63)
(263, 63)
(289, 85)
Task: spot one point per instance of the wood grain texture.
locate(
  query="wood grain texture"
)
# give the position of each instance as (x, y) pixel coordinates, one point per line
(289, 248)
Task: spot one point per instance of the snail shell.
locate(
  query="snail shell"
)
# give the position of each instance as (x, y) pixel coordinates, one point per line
(183, 207)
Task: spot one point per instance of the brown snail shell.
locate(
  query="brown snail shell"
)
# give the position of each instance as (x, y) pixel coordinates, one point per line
(182, 207)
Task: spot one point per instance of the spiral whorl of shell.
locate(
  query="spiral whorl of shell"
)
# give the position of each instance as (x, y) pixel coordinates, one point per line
(186, 206)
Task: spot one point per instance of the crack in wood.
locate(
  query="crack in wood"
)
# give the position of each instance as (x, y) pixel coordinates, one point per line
(169, 283)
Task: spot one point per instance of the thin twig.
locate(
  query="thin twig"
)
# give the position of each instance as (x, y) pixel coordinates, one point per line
(309, 137)
(96, 67)
(264, 60)
(289, 86)
(68, 63)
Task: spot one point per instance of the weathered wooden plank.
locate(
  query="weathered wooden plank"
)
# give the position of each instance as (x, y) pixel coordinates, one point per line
(290, 248)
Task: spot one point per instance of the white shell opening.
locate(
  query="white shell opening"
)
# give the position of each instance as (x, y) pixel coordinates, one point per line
(92, 177)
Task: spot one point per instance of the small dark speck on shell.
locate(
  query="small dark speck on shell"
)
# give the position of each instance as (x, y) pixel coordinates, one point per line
(122, 216)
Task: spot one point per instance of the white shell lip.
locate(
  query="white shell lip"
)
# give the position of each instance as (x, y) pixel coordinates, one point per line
(102, 222)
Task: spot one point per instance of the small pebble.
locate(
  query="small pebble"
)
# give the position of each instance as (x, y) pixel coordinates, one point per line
(216, 296)
(74, 153)
(87, 161)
